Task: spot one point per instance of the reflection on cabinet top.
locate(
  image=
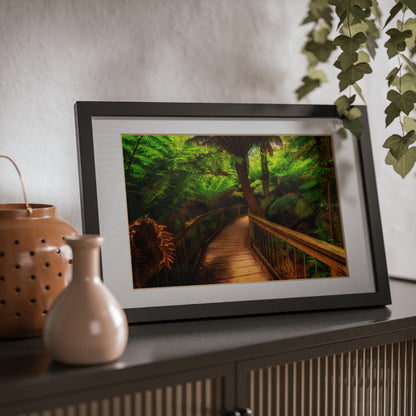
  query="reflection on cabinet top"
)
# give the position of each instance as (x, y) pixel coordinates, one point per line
(165, 348)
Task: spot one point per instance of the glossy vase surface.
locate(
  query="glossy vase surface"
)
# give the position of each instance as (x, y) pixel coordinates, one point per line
(35, 266)
(86, 325)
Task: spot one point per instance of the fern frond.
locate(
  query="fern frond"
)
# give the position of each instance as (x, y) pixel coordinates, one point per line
(283, 203)
(303, 208)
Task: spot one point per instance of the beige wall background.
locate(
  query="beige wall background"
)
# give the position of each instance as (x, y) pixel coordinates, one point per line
(56, 52)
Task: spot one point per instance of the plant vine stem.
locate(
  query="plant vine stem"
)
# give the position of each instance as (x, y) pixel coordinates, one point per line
(348, 19)
(400, 91)
(349, 31)
(400, 73)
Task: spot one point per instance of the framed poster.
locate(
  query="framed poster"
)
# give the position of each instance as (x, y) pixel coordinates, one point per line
(230, 209)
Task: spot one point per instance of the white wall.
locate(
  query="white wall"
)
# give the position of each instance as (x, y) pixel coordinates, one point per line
(56, 52)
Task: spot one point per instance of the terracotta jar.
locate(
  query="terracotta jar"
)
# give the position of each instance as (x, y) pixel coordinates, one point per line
(86, 325)
(34, 266)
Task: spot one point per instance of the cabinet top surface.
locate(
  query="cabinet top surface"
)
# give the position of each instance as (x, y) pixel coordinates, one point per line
(25, 363)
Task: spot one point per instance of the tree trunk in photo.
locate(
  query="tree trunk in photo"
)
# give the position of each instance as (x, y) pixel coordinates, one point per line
(139, 139)
(265, 174)
(253, 205)
(328, 155)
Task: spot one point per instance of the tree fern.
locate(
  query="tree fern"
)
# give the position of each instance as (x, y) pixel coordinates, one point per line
(283, 203)
(304, 208)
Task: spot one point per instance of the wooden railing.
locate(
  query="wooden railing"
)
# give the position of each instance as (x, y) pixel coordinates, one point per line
(191, 242)
(282, 248)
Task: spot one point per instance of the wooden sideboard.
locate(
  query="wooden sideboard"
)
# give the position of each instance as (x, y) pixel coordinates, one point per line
(340, 362)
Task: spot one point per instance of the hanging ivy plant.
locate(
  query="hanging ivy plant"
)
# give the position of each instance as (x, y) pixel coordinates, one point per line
(358, 26)
(318, 47)
(402, 93)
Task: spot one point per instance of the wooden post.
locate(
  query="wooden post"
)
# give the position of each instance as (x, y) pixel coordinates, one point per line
(201, 234)
(251, 230)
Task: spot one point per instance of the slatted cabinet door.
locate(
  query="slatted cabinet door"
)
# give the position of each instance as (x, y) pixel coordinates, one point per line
(203, 392)
(373, 381)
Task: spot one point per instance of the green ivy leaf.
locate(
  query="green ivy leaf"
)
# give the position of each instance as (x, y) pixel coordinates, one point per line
(318, 9)
(398, 145)
(363, 57)
(392, 75)
(342, 17)
(342, 133)
(354, 126)
(409, 63)
(350, 45)
(410, 137)
(404, 102)
(353, 74)
(405, 83)
(393, 13)
(360, 9)
(405, 164)
(359, 13)
(390, 160)
(373, 27)
(322, 51)
(409, 124)
(317, 74)
(354, 28)
(410, 24)
(310, 18)
(371, 45)
(396, 42)
(411, 4)
(408, 82)
(326, 15)
(375, 10)
(345, 60)
(344, 108)
(364, 4)
(308, 86)
(373, 32)
(312, 59)
(392, 112)
(353, 113)
(343, 103)
(321, 36)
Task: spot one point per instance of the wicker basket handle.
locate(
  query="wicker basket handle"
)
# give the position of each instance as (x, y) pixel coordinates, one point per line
(28, 207)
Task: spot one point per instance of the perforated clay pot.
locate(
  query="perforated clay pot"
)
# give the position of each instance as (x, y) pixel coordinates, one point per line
(35, 266)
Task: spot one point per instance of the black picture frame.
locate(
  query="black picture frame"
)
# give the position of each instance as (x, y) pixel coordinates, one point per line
(87, 113)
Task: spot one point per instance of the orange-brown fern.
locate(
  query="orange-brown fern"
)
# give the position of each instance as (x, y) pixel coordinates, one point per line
(152, 248)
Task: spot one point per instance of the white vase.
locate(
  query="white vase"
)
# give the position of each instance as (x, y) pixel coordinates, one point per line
(86, 324)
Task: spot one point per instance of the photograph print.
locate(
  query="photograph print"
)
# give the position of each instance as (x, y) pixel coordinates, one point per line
(232, 209)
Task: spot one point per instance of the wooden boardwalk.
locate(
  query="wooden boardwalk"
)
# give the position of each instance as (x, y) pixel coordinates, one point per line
(228, 258)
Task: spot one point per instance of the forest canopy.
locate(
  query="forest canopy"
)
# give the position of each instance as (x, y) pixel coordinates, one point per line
(173, 179)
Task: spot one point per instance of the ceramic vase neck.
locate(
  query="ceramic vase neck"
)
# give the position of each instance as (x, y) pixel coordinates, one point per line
(86, 256)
